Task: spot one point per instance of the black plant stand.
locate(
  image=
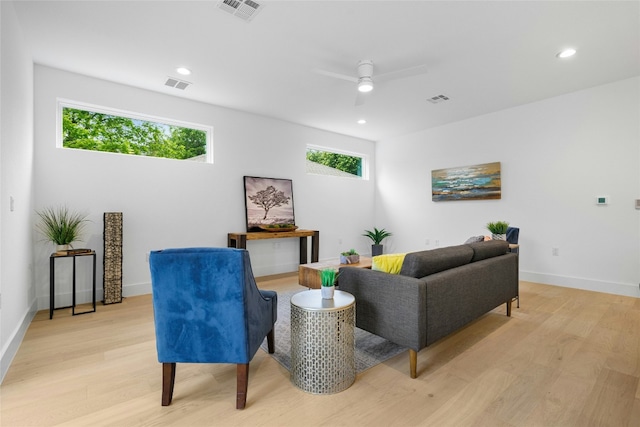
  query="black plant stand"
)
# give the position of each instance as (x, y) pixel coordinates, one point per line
(52, 268)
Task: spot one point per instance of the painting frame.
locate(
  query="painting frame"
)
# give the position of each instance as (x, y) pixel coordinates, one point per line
(475, 182)
(268, 201)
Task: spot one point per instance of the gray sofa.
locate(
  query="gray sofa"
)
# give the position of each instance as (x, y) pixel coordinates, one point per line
(437, 292)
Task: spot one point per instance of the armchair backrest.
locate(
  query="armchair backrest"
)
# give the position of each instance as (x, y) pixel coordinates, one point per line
(512, 235)
(200, 301)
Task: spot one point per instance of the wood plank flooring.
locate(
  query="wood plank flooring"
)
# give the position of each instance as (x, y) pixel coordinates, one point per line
(566, 357)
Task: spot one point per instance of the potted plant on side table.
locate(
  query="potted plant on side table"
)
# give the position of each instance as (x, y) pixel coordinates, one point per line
(377, 236)
(61, 226)
(498, 230)
(328, 280)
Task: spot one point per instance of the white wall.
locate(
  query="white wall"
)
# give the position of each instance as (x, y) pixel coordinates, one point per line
(16, 181)
(171, 203)
(557, 155)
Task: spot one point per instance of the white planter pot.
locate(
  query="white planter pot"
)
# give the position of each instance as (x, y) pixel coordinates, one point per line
(327, 291)
(499, 236)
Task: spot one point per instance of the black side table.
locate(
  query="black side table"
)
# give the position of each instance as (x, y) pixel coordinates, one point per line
(52, 267)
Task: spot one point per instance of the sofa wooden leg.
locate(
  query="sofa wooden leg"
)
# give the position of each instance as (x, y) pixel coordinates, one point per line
(413, 363)
(243, 383)
(509, 307)
(168, 380)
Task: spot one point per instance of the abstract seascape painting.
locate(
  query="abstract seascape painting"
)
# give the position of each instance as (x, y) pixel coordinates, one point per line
(476, 182)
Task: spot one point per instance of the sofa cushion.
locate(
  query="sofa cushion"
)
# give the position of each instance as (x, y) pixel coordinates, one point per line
(488, 249)
(424, 263)
(389, 263)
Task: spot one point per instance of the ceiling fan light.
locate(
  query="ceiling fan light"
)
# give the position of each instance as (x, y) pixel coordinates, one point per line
(365, 84)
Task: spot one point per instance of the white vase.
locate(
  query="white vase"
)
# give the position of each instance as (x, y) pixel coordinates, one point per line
(499, 236)
(327, 291)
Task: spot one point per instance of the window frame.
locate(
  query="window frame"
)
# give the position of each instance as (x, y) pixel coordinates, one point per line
(364, 159)
(66, 103)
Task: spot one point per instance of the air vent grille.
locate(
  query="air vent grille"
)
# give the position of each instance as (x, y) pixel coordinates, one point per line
(177, 83)
(437, 99)
(243, 9)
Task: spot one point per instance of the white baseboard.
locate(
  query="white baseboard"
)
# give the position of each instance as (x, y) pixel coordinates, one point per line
(13, 344)
(136, 289)
(626, 289)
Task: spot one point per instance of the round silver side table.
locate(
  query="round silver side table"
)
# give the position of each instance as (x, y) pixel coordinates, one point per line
(322, 342)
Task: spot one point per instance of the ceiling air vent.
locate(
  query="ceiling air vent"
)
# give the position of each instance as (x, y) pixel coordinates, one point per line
(243, 9)
(437, 99)
(177, 83)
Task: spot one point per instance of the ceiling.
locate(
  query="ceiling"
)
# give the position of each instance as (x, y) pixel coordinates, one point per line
(484, 56)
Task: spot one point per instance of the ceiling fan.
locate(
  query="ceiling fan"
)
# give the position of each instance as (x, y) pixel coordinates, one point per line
(365, 79)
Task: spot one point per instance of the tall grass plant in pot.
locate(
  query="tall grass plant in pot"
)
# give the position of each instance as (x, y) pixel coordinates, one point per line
(61, 226)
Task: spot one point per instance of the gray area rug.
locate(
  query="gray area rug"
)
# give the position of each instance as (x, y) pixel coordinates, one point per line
(370, 349)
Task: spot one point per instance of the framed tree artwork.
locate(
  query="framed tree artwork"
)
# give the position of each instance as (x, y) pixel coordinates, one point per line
(268, 202)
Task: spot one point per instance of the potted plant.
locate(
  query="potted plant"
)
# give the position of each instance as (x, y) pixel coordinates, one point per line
(376, 236)
(328, 278)
(61, 226)
(498, 230)
(349, 257)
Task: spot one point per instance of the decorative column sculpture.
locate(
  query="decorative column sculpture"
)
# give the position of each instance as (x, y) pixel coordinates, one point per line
(112, 261)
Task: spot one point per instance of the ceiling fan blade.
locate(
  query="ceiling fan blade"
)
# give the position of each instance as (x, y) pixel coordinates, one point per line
(336, 75)
(401, 74)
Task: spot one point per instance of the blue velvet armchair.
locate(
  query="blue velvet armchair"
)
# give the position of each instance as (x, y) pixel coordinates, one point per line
(208, 309)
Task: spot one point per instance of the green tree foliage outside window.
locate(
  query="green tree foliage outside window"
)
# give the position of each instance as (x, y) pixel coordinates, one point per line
(343, 162)
(89, 130)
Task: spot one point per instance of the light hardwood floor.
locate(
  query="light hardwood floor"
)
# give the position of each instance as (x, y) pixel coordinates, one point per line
(566, 357)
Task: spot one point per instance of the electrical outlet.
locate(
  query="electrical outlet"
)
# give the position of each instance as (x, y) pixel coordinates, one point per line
(555, 251)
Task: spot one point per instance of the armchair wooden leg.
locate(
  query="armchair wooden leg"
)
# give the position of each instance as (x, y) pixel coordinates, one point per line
(270, 342)
(243, 383)
(168, 380)
(509, 307)
(413, 363)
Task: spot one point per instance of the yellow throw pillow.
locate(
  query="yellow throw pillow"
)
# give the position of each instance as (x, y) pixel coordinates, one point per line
(389, 263)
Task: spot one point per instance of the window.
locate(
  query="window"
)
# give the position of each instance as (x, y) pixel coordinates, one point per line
(101, 129)
(322, 161)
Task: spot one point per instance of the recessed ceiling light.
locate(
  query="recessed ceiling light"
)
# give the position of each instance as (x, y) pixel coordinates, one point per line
(566, 53)
(362, 121)
(184, 71)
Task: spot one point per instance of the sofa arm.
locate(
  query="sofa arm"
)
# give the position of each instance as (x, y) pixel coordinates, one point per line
(388, 305)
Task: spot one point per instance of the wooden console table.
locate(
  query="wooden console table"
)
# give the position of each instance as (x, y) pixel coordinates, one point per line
(239, 240)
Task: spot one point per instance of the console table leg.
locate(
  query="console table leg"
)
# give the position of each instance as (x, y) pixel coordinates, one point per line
(303, 250)
(315, 246)
(52, 272)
